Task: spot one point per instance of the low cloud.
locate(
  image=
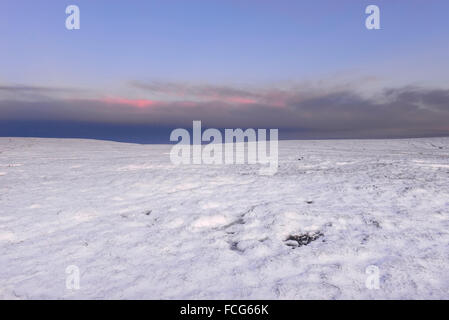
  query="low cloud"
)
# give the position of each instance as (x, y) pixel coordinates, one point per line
(341, 112)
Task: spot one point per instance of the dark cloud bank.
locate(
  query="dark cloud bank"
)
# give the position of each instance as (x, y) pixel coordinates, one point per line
(299, 114)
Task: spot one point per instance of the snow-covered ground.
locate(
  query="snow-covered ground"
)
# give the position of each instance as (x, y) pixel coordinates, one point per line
(139, 227)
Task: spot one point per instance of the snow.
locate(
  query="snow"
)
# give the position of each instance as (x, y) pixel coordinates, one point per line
(139, 227)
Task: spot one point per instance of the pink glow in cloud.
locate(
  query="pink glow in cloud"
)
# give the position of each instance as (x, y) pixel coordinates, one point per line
(137, 103)
(240, 100)
(145, 103)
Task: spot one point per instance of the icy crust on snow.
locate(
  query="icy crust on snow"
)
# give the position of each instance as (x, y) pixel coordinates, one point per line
(139, 227)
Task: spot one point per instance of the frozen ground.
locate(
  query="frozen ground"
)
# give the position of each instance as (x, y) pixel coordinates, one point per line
(138, 227)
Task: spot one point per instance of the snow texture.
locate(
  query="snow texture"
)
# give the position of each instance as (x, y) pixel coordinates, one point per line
(139, 227)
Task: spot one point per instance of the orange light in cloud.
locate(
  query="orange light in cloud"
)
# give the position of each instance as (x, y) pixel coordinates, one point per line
(145, 103)
(240, 100)
(138, 103)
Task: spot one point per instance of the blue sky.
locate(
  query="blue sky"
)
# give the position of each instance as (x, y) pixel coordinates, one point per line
(202, 46)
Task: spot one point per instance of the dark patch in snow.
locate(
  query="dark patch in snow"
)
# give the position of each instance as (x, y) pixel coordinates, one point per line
(251, 209)
(302, 239)
(235, 246)
(364, 239)
(439, 147)
(147, 213)
(373, 222)
(238, 221)
(309, 202)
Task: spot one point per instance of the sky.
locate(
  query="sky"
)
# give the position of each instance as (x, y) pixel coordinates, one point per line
(135, 70)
